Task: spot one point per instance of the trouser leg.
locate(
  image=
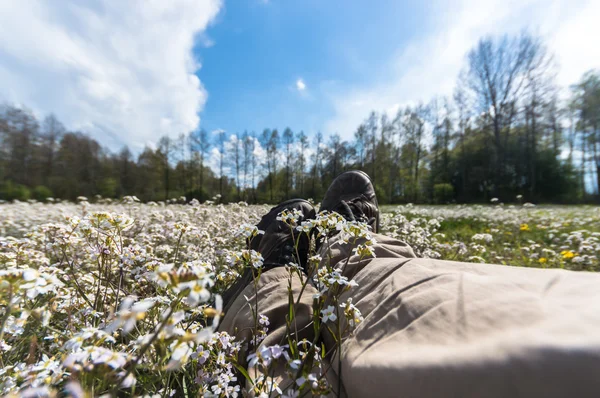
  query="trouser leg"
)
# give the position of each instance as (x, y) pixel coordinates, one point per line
(438, 328)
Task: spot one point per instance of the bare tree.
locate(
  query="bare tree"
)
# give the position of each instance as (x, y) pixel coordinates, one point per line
(181, 148)
(303, 140)
(270, 141)
(571, 111)
(221, 138)
(360, 136)
(52, 131)
(288, 140)
(463, 110)
(237, 161)
(269, 159)
(272, 152)
(447, 134)
(414, 127)
(335, 147)
(20, 133)
(434, 120)
(396, 140)
(538, 93)
(587, 97)
(166, 151)
(372, 139)
(247, 156)
(253, 162)
(199, 146)
(125, 169)
(318, 140)
(497, 71)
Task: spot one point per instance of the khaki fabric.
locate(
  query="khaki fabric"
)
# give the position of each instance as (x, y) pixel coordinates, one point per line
(447, 329)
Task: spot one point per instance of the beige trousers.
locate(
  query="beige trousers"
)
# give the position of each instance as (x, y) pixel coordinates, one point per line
(447, 329)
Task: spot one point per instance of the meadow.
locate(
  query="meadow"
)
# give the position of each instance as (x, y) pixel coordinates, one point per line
(123, 297)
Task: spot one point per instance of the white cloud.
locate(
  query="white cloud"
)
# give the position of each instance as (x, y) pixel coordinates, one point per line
(429, 65)
(121, 70)
(300, 85)
(575, 43)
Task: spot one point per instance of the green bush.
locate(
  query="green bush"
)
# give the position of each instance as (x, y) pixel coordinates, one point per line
(382, 197)
(443, 193)
(12, 191)
(41, 193)
(200, 193)
(107, 188)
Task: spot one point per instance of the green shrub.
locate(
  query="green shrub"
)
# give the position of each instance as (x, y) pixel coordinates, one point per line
(41, 193)
(443, 193)
(107, 188)
(12, 191)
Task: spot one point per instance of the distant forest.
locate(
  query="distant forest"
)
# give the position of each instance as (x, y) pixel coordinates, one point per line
(507, 130)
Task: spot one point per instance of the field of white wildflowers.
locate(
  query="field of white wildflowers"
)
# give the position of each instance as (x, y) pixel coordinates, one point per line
(123, 298)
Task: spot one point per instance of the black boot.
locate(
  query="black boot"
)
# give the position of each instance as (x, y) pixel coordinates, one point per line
(352, 195)
(278, 244)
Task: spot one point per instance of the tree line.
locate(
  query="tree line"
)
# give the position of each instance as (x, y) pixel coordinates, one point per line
(505, 132)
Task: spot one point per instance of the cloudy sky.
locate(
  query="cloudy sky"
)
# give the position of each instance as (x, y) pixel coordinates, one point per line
(130, 71)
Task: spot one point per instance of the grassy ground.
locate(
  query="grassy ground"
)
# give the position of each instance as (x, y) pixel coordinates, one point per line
(545, 236)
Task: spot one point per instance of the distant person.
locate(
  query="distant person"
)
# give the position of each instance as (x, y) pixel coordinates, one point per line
(432, 328)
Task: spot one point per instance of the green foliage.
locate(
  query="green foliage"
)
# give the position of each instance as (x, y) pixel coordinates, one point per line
(556, 181)
(443, 193)
(12, 191)
(201, 194)
(107, 188)
(380, 192)
(41, 193)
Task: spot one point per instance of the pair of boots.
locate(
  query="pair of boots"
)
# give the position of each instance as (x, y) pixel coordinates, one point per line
(351, 194)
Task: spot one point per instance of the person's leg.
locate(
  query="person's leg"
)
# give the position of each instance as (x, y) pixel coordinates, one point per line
(264, 290)
(257, 306)
(437, 328)
(273, 244)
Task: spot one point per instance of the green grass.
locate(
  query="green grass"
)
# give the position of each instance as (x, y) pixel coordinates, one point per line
(544, 236)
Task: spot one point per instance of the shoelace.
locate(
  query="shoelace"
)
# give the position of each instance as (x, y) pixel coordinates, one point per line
(354, 210)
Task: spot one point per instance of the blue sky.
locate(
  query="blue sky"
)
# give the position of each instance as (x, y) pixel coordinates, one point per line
(129, 72)
(261, 52)
(357, 56)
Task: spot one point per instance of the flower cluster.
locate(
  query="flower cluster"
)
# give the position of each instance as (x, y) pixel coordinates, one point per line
(109, 297)
(124, 298)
